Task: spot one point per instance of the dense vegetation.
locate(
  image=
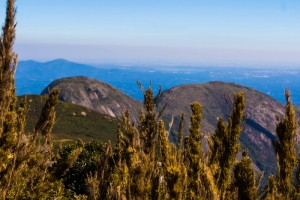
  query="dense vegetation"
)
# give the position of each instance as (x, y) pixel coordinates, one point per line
(73, 121)
(142, 164)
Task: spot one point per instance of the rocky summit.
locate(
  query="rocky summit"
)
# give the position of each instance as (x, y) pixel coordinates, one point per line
(96, 95)
(260, 120)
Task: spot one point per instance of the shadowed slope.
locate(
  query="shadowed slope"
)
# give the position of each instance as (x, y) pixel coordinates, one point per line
(260, 108)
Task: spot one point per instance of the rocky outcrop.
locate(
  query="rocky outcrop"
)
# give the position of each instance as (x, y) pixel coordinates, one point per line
(96, 95)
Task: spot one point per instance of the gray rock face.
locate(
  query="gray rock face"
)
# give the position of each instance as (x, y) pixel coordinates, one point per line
(260, 125)
(96, 95)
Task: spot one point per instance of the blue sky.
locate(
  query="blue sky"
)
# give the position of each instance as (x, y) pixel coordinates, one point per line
(168, 32)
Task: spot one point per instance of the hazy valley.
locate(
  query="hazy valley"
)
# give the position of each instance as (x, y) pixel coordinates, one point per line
(32, 77)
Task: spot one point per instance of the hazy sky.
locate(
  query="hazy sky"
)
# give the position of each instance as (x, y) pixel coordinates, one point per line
(190, 32)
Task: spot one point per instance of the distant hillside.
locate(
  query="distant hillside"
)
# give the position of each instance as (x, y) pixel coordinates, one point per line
(96, 95)
(32, 77)
(53, 69)
(71, 121)
(260, 108)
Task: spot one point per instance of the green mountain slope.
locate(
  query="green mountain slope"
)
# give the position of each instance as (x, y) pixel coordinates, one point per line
(260, 125)
(72, 123)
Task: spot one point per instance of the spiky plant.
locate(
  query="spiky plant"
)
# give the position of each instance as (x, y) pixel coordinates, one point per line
(285, 149)
(200, 183)
(8, 115)
(24, 162)
(174, 170)
(224, 145)
(245, 178)
(136, 174)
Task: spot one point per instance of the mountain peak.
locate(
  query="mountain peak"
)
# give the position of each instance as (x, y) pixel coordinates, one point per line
(59, 60)
(96, 95)
(258, 130)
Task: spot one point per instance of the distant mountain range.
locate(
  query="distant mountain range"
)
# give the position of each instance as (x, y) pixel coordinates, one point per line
(32, 77)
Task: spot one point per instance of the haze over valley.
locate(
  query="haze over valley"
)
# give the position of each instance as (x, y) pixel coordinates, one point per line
(32, 77)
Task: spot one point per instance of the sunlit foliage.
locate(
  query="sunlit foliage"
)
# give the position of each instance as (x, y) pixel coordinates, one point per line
(143, 164)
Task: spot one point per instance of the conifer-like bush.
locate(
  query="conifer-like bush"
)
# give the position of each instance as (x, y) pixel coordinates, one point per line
(245, 179)
(286, 184)
(224, 145)
(25, 162)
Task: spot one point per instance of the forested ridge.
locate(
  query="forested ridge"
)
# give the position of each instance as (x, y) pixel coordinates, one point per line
(143, 164)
